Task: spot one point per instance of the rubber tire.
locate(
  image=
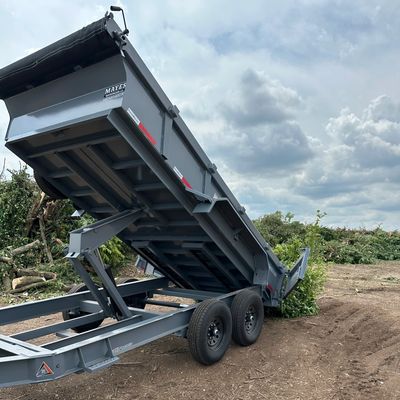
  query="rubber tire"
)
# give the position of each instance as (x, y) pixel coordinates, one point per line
(81, 287)
(199, 323)
(136, 300)
(240, 304)
(47, 187)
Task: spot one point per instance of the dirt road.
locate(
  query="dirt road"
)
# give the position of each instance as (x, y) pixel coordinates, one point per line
(350, 351)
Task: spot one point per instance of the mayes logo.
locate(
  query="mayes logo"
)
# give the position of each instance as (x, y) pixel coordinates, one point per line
(114, 90)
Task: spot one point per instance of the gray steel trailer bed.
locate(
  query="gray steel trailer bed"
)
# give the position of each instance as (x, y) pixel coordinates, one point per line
(90, 119)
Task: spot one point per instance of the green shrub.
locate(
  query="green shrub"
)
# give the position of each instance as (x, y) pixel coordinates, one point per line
(17, 196)
(278, 228)
(338, 245)
(362, 247)
(303, 299)
(341, 252)
(113, 253)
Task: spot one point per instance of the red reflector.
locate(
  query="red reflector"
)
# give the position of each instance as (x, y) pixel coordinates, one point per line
(147, 134)
(186, 183)
(44, 370)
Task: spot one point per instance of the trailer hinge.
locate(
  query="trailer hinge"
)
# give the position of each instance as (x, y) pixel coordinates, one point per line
(173, 111)
(212, 168)
(241, 210)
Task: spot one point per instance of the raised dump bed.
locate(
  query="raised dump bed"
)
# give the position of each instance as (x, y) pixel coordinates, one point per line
(90, 119)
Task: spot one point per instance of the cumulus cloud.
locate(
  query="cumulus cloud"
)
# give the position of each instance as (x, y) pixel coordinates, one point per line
(360, 168)
(374, 137)
(257, 150)
(383, 108)
(259, 100)
(259, 131)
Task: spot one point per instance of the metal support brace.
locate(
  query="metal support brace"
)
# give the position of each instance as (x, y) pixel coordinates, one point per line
(94, 235)
(101, 297)
(84, 242)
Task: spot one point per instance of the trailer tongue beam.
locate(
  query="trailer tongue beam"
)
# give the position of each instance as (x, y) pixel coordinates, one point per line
(25, 311)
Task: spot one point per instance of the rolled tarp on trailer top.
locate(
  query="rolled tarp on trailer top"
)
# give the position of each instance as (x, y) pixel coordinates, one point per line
(87, 46)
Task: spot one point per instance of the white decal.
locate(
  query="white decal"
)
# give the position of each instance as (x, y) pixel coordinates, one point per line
(176, 170)
(133, 116)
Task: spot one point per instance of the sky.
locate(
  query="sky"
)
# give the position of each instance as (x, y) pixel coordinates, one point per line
(296, 102)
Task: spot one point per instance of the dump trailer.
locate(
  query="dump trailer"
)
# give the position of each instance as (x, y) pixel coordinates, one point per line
(92, 122)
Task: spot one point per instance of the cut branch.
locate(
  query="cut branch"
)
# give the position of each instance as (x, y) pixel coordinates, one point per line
(32, 286)
(25, 248)
(6, 260)
(6, 281)
(33, 213)
(30, 272)
(43, 235)
(25, 281)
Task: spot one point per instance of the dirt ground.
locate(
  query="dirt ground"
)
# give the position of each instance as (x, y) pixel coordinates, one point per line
(351, 350)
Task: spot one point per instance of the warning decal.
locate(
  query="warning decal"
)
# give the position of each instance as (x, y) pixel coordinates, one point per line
(182, 178)
(44, 370)
(142, 128)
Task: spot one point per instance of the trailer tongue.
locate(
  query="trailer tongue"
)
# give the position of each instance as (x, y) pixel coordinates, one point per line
(89, 118)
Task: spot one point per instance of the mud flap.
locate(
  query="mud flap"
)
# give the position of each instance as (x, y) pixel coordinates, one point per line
(297, 273)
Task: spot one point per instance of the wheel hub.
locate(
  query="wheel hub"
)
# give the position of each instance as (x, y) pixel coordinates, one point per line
(250, 319)
(215, 333)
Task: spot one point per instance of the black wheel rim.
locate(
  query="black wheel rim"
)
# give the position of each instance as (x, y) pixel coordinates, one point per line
(250, 319)
(215, 333)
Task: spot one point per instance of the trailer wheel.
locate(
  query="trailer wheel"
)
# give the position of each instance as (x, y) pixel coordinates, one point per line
(247, 317)
(70, 314)
(47, 187)
(136, 300)
(209, 332)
